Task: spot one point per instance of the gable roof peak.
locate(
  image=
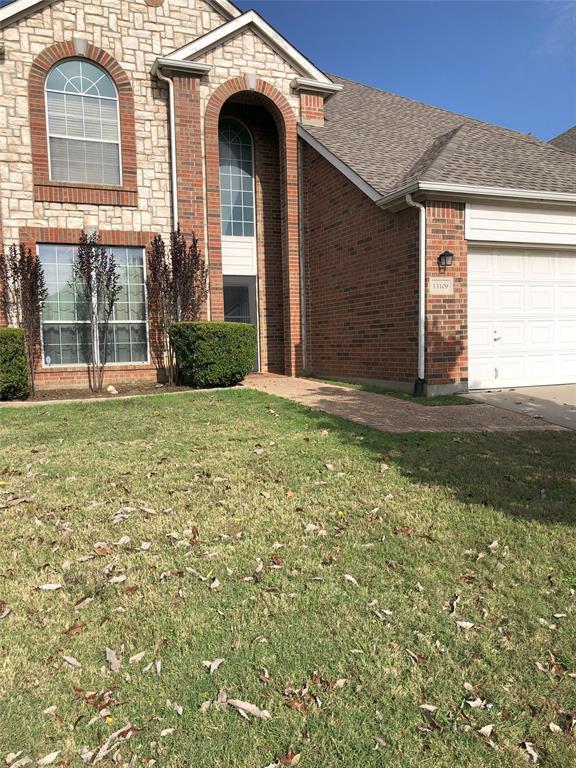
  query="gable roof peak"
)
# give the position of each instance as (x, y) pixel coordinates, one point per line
(253, 21)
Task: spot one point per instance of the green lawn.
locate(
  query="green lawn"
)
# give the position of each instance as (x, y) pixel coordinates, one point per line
(326, 563)
(432, 400)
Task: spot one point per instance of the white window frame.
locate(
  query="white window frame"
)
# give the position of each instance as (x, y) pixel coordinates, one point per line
(253, 177)
(75, 138)
(125, 364)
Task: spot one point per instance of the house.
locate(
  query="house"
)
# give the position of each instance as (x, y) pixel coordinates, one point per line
(566, 140)
(370, 237)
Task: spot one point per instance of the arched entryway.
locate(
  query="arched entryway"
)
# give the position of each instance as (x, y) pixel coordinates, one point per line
(252, 209)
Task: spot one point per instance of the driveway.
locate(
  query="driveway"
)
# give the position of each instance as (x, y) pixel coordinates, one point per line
(556, 405)
(391, 414)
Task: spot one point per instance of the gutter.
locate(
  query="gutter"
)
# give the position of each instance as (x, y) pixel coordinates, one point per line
(472, 190)
(419, 383)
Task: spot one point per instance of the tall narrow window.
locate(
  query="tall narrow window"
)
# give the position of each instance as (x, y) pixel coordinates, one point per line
(65, 319)
(82, 123)
(236, 179)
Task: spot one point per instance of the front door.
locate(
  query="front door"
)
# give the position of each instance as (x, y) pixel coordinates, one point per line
(240, 305)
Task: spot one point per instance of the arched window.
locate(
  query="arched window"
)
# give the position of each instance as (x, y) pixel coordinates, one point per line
(236, 179)
(82, 123)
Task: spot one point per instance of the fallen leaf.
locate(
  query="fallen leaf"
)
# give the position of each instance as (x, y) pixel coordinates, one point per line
(486, 730)
(167, 731)
(214, 584)
(49, 759)
(212, 666)
(72, 661)
(73, 629)
(137, 657)
(464, 624)
(50, 587)
(351, 579)
(112, 659)
(531, 754)
(554, 728)
(245, 708)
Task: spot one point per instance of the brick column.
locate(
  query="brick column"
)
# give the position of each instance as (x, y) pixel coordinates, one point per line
(446, 315)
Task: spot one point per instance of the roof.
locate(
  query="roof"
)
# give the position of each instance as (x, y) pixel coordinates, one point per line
(391, 141)
(566, 140)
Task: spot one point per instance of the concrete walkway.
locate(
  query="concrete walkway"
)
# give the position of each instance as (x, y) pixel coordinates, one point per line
(391, 414)
(554, 404)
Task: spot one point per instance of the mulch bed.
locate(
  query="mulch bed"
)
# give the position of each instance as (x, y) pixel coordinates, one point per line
(122, 390)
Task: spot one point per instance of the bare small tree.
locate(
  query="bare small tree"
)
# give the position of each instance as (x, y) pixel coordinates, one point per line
(177, 290)
(96, 275)
(22, 296)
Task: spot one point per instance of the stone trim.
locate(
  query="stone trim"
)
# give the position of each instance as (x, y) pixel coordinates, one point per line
(266, 95)
(66, 192)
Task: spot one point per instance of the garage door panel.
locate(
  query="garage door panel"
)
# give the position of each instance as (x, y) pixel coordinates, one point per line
(480, 334)
(509, 299)
(538, 298)
(566, 299)
(566, 333)
(482, 302)
(511, 333)
(522, 317)
(538, 334)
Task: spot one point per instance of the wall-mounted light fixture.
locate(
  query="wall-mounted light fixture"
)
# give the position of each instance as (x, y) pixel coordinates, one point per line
(445, 259)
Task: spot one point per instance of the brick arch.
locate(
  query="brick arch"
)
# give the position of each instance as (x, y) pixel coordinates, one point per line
(74, 192)
(266, 95)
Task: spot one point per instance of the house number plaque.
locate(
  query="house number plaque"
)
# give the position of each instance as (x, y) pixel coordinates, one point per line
(441, 286)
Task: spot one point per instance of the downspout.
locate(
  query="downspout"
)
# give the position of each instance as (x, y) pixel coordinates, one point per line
(419, 383)
(172, 129)
(303, 305)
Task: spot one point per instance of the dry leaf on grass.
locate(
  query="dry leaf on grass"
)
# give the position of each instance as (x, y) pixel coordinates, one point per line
(531, 754)
(72, 662)
(49, 759)
(50, 587)
(212, 666)
(351, 579)
(112, 659)
(137, 657)
(245, 709)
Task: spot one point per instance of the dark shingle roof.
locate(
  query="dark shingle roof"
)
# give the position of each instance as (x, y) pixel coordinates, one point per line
(391, 141)
(566, 140)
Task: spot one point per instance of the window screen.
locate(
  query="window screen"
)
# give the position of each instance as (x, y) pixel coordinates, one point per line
(82, 123)
(236, 179)
(65, 324)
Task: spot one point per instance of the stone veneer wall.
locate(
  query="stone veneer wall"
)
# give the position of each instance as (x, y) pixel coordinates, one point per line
(135, 34)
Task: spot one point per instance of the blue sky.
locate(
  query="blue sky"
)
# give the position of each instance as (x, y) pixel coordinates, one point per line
(510, 63)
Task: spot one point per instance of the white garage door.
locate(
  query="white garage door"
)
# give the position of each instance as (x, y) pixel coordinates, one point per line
(521, 317)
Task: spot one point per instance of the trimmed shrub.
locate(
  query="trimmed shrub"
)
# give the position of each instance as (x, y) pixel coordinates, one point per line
(213, 354)
(14, 371)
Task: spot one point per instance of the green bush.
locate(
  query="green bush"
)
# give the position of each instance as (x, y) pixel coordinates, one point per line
(213, 354)
(14, 371)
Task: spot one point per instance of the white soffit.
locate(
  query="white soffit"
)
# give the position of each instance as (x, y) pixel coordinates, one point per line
(249, 20)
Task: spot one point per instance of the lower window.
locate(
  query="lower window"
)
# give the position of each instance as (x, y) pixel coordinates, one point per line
(65, 324)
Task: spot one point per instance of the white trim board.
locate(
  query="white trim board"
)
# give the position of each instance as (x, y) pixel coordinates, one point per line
(344, 169)
(20, 8)
(249, 20)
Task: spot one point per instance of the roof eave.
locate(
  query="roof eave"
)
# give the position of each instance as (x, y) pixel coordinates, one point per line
(436, 189)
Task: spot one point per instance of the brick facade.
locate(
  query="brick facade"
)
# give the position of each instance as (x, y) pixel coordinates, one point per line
(361, 262)
(361, 280)
(446, 316)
